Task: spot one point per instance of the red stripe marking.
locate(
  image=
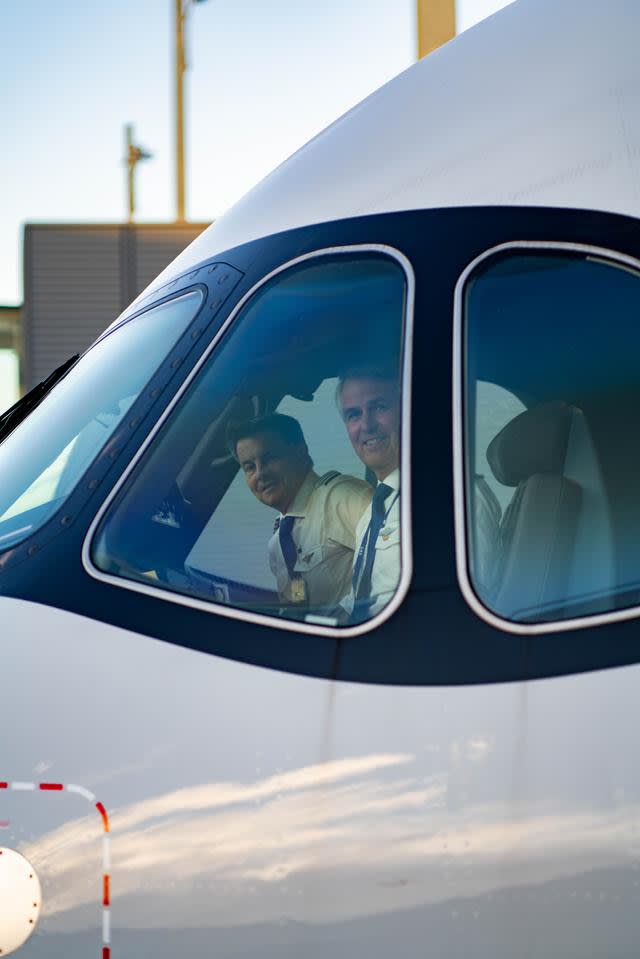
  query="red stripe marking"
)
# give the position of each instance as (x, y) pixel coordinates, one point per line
(58, 787)
(103, 813)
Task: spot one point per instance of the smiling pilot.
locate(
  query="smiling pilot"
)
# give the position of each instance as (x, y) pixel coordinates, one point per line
(369, 402)
(312, 548)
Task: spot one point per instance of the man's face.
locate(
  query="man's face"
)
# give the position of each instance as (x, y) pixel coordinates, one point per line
(371, 412)
(274, 469)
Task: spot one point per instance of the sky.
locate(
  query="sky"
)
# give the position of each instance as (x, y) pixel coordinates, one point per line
(264, 76)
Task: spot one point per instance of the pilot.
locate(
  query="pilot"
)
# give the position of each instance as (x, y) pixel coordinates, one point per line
(312, 548)
(369, 402)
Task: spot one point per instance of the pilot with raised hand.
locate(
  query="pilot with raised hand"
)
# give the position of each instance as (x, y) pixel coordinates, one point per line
(369, 402)
(312, 547)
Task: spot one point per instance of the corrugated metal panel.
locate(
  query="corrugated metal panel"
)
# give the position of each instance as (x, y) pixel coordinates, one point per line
(78, 278)
(72, 291)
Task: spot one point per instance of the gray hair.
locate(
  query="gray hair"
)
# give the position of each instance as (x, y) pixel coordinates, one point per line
(388, 373)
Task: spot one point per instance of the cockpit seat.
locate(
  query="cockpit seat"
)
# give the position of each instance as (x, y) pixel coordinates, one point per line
(538, 529)
(487, 516)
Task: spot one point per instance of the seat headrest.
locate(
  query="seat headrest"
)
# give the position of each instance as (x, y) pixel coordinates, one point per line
(533, 442)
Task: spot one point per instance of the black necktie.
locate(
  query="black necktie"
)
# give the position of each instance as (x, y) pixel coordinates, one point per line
(362, 583)
(288, 547)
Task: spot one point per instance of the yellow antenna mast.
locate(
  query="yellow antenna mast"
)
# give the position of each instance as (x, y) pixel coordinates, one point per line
(436, 24)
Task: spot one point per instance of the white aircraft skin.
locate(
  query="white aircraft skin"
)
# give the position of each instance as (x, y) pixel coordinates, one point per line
(534, 106)
(258, 812)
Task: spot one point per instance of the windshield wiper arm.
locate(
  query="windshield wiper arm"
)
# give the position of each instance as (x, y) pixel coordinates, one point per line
(20, 410)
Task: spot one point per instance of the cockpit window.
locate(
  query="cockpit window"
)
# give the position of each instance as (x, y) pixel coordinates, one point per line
(42, 460)
(273, 488)
(551, 399)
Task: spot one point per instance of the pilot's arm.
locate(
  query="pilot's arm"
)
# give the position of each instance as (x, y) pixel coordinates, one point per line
(347, 500)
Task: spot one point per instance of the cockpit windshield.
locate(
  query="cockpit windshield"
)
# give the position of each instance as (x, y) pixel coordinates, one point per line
(42, 460)
(273, 487)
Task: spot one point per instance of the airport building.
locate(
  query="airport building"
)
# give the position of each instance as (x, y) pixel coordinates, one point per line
(79, 277)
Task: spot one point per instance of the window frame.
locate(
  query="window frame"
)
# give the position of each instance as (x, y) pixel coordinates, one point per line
(462, 545)
(108, 454)
(406, 554)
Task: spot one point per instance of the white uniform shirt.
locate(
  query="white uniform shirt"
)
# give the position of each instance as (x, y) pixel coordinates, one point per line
(385, 573)
(326, 510)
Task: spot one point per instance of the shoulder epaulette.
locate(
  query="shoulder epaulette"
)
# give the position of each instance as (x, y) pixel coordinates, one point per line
(327, 478)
